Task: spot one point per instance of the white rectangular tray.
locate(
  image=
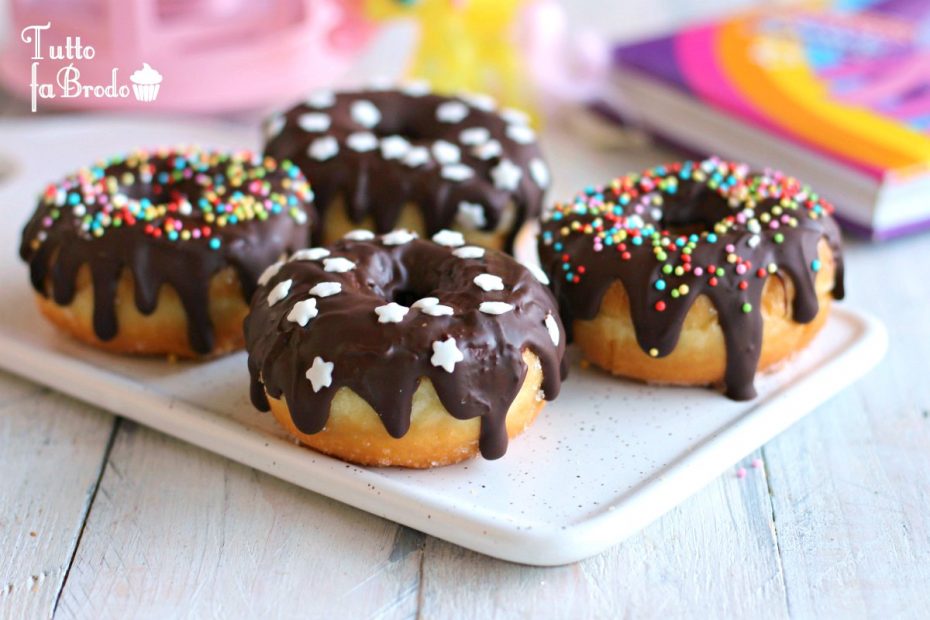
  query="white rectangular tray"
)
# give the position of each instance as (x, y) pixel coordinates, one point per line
(601, 462)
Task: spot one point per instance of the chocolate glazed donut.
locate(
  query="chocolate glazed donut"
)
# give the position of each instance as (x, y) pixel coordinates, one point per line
(677, 232)
(378, 315)
(170, 217)
(462, 163)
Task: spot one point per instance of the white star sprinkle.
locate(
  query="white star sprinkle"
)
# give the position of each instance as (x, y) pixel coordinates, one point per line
(416, 88)
(270, 272)
(515, 117)
(521, 134)
(362, 141)
(488, 150)
(380, 83)
(451, 112)
(314, 121)
(365, 113)
(398, 237)
(470, 215)
(449, 238)
(338, 265)
(391, 313)
(417, 156)
(273, 126)
(469, 251)
(495, 307)
(279, 292)
(474, 136)
(553, 326)
(394, 147)
(309, 254)
(321, 99)
(424, 302)
(320, 374)
(302, 312)
(326, 289)
(540, 172)
(446, 152)
(359, 235)
(437, 310)
(538, 273)
(323, 148)
(506, 175)
(488, 282)
(481, 101)
(446, 355)
(457, 172)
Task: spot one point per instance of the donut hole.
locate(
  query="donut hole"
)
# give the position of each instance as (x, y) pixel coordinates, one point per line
(695, 216)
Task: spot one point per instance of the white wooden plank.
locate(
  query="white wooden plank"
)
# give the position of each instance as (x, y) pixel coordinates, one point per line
(51, 452)
(713, 556)
(849, 482)
(176, 529)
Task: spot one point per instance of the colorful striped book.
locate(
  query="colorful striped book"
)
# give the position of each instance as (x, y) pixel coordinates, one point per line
(837, 95)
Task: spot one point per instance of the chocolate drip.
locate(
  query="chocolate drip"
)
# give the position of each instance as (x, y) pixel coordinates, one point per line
(698, 216)
(384, 362)
(371, 184)
(66, 232)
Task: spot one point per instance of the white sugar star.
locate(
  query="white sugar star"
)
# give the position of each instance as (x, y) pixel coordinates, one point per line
(540, 173)
(479, 100)
(359, 235)
(320, 374)
(279, 292)
(474, 135)
(416, 88)
(362, 141)
(365, 113)
(326, 289)
(398, 237)
(391, 313)
(394, 147)
(553, 326)
(514, 116)
(488, 150)
(469, 251)
(302, 312)
(495, 307)
(488, 282)
(270, 272)
(309, 254)
(417, 156)
(457, 172)
(437, 310)
(451, 112)
(449, 238)
(321, 99)
(338, 265)
(323, 148)
(470, 215)
(314, 121)
(425, 302)
(446, 354)
(446, 152)
(506, 175)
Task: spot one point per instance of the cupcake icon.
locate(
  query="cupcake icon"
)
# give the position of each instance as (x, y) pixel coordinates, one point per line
(145, 83)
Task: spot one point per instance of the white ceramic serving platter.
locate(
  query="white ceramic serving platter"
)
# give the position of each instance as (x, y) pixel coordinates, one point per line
(601, 462)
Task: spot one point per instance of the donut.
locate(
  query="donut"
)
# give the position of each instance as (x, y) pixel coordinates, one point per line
(694, 273)
(384, 159)
(159, 252)
(398, 351)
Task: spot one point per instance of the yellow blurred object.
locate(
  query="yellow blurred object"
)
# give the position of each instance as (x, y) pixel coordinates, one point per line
(465, 46)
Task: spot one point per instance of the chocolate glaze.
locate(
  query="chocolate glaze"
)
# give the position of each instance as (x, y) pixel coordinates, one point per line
(384, 362)
(74, 226)
(373, 185)
(759, 218)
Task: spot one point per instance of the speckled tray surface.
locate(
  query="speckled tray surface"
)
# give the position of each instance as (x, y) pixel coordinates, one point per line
(601, 462)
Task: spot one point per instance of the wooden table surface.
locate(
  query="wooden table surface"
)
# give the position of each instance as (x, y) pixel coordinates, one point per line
(100, 517)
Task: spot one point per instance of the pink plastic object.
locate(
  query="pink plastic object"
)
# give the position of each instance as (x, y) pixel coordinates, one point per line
(213, 55)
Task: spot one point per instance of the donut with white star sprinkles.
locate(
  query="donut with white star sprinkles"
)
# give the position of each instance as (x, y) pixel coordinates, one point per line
(694, 273)
(414, 353)
(158, 252)
(381, 159)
